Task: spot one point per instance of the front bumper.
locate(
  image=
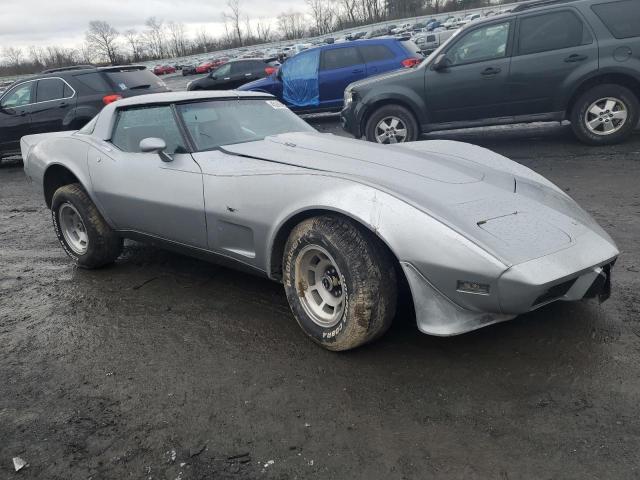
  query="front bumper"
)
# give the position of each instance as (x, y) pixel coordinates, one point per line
(350, 120)
(438, 315)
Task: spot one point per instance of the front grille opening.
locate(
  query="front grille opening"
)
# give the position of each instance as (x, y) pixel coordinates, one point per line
(555, 292)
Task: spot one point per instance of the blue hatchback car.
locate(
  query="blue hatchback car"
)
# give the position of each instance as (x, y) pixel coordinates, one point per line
(315, 79)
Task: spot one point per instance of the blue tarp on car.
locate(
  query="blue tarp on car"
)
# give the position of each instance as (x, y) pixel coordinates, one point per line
(300, 79)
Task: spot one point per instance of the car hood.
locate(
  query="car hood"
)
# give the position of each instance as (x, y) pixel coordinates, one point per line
(257, 84)
(394, 75)
(507, 209)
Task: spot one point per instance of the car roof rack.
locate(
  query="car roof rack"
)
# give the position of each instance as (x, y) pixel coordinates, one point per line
(538, 3)
(69, 68)
(120, 68)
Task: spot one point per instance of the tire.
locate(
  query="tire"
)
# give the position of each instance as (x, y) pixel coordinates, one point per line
(102, 245)
(595, 99)
(360, 275)
(390, 114)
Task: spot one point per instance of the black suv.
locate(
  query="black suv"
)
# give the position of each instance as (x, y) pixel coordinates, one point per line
(66, 99)
(232, 74)
(548, 60)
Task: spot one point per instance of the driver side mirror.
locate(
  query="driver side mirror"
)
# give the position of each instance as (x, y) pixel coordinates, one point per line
(155, 145)
(441, 63)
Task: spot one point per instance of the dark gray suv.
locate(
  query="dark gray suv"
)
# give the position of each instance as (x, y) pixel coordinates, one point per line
(547, 60)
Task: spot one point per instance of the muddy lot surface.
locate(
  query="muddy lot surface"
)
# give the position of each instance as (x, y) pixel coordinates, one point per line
(165, 367)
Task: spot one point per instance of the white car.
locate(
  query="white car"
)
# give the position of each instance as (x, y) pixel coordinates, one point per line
(401, 28)
(470, 18)
(451, 23)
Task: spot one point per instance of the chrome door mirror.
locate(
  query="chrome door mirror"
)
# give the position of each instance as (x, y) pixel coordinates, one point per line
(155, 145)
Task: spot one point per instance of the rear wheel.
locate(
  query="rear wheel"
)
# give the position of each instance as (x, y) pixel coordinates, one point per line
(392, 124)
(340, 282)
(81, 230)
(605, 115)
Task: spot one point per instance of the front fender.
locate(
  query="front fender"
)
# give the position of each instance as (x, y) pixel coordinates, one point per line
(400, 94)
(440, 254)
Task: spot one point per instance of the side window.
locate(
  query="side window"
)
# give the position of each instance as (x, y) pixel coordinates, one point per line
(375, 53)
(18, 96)
(257, 66)
(136, 124)
(481, 44)
(94, 82)
(240, 67)
(50, 89)
(223, 71)
(339, 58)
(551, 31)
(621, 18)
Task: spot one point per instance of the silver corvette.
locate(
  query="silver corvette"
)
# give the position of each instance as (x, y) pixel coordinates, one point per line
(236, 177)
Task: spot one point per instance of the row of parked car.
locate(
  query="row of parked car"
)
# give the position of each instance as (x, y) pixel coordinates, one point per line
(548, 60)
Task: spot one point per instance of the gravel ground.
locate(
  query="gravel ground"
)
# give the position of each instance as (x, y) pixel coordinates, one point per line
(166, 367)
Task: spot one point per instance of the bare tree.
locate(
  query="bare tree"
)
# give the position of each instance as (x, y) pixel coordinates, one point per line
(235, 18)
(155, 37)
(292, 25)
(203, 40)
(102, 37)
(178, 39)
(36, 55)
(350, 9)
(135, 44)
(13, 55)
(323, 15)
(248, 33)
(87, 55)
(263, 30)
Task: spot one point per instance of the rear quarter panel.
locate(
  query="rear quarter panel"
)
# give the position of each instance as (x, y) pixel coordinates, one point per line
(41, 152)
(615, 56)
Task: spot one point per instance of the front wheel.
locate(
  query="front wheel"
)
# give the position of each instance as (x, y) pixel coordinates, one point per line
(392, 124)
(81, 230)
(605, 115)
(340, 282)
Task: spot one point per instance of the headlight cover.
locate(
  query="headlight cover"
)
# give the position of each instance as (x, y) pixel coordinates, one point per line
(348, 97)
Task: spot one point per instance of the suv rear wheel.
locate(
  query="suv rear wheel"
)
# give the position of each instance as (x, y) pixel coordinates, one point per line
(392, 124)
(605, 115)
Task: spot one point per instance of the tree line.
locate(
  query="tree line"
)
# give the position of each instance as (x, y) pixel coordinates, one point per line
(160, 39)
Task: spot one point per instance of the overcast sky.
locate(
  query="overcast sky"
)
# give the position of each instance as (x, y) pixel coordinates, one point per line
(63, 22)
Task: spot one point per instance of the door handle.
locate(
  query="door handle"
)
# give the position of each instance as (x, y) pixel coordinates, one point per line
(63, 104)
(357, 71)
(575, 58)
(227, 78)
(491, 71)
(248, 74)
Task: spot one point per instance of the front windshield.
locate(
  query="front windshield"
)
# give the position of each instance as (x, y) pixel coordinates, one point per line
(217, 123)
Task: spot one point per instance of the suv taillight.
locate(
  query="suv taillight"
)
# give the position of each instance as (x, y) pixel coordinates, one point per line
(270, 70)
(107, 99)
(410, 62)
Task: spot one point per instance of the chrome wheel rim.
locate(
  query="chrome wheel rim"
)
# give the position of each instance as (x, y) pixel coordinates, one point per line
(320, 286)
(606, 116)
(391, 130)
(73, 229)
